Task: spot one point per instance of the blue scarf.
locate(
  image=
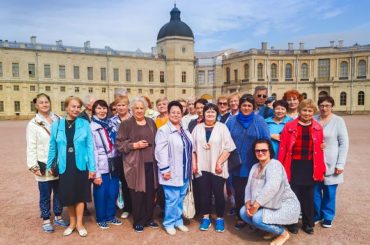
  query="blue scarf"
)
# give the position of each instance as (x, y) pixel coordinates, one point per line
(105, 124)
(245, 121)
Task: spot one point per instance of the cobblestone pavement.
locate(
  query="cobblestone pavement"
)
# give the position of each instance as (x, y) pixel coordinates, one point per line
(20, 222)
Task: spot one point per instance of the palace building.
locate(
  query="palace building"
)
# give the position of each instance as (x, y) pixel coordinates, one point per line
(173, 69)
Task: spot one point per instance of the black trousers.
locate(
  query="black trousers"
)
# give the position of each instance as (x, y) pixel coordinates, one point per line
(305, 196)
(196, 195)
(209, 183)
(125, 189)
(239, 184)
(143, 202)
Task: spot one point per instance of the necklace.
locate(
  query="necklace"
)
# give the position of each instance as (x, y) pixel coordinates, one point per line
(70, 124)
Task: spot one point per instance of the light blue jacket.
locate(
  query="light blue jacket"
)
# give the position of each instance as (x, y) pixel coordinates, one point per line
(276, 128)
(83, 145)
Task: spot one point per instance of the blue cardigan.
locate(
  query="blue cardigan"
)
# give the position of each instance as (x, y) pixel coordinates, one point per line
(244, 140)
(83, 145)
(276, 128)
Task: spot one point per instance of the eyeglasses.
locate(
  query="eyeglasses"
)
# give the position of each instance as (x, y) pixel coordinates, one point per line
(325, 106)
(222, 103)
(260, 151)
(262, 96)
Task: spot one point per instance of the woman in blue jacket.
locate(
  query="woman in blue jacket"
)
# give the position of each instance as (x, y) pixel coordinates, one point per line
(71, 141)
(245, 128)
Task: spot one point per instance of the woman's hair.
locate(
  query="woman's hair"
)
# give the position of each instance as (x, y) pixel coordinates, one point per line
(210, 106)
(247, 98)
(39, 96)
(326, 98)
(235, 94)
(148, 102)
(282, 103)
(70, 98)
(139, 99)
(223, 97)
(292, 93)
(175, 103)
(201, 101)
(160, 100)
(121, 98)
(264, 141)
(307, 103)
(102, 103)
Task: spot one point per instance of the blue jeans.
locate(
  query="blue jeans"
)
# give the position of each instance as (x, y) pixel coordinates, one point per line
(256, 221)
(324, 197)
(174, 197)
(45, 189)
(105, 197)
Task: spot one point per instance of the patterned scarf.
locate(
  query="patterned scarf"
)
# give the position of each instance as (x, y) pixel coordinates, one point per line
(107, 128)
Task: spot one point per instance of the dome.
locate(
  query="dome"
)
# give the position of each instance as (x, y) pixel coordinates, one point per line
(175, 27)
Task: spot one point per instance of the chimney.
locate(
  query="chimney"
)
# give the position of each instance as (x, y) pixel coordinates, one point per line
(332, 44)
(59, 43)
(33, 40)
(340, 43)
(301, 46)
(290, 46)
(87, 44)
(264, 45)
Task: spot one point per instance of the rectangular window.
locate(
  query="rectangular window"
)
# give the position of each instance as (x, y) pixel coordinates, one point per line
(116, 74)
(151, 76)
(62, 89)
(151, 91)
(15, 69)
(139, 75)
(47, 71)
(1, 69)
(211, 76)
(162, 91)
(32, 88)
(62, 71)
(183, 76)
(16, 87)
(128, 75)
(17, 106)
(77, 89)
(1, 106)
(184, 91)
(32, 107)
(235, 75)
(128, 90)
(90, 74)
(1, 87)
(76, 72)
(161, 76)
(47, 88)
(91, 90)
(103, 90)
(324, 68)
(140, 91)
(201, 77)
(31, 70)
(103, 74)
(62, 106)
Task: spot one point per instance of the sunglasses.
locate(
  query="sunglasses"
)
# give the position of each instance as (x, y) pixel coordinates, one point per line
(260, 151)
(262, 96)
(222, 103)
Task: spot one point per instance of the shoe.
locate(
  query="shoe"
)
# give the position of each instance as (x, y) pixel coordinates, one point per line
(268, 236)
(114, 221)
(47, 227)
(326, 223)
(103, 225)
(308, 229)
(220, 225)
(318, 221)
(68, 231)
(205, 224)
(293, 228)
(60, 222)
(182, 228)
(153, 225)
(139, 228)
(171, 231)
(125, 215)
(240, 225)
(280, 240)
(82, 232)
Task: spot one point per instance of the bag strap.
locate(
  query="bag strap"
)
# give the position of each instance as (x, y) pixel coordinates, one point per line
(42, 126)
(102, 141)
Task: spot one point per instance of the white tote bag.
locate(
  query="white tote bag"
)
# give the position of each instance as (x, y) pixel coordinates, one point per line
(188, 205)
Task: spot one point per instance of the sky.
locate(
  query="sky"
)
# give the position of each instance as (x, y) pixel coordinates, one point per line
(217, 24)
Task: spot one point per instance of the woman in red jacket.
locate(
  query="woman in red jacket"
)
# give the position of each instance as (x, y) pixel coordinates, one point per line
(301, 153)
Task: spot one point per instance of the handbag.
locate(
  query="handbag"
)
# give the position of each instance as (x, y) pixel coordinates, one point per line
(113, 162)
(42, 167)
(54, 164)
(234, 161)
(188, 204)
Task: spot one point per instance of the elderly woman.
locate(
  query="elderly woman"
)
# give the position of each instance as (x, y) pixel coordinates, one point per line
(301, 154)
(245, 128)
(71, 142)
(162, 118)
(212, 147)
(173, 152)
(233, 101)
(269, 201)
(293, 97)
(277, 122)
(106, 178)
(336, 149)
(38, 137)
(199, 105)
(135, 140)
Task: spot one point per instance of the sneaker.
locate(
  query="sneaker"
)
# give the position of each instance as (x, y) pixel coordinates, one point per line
(326, 223)
(240, 225)
(139, 228)
(318, 221)
(125, 215)
(153, 225)
(205, 224)
(60, 222)
(103, 225)
(171, 231)
(182, 228)
(114, 221)
(220, 225)
(47, 227)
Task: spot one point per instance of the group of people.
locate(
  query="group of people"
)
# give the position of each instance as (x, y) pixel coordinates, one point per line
(276, 162)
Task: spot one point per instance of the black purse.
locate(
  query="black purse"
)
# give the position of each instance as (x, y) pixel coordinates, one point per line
(42, 167)
(54, 164)
(234, 161)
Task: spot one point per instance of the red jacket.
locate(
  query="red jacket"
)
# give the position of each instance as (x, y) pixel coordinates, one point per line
(287, 140)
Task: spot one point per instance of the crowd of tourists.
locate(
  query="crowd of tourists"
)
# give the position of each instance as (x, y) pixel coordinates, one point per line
(269, 161)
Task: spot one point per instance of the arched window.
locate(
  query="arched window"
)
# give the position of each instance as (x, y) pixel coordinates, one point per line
(273, 71)
(304, 71)
(361, 72)
(323, 93)
(288, 71)
(344, 70)
(343, 98)
(246, 71)
(361, 98)
(260, 71)
(228, 74)
(304, 96)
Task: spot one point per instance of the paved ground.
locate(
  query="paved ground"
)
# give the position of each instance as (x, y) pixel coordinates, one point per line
(20, 222)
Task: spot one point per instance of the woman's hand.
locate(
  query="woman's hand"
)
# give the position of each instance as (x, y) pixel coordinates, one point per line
(218, 168)
(141, 144)
(166, 176)
(98, 181)
(91, 175)
(338, 171)
(323, 146)
(194, 168)
(51, 172)
(275, 137)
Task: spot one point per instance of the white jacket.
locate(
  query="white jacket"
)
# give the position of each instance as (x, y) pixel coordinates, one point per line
(38, 144)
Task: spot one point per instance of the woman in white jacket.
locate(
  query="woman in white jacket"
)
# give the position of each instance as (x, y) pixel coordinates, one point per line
(38, 136)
